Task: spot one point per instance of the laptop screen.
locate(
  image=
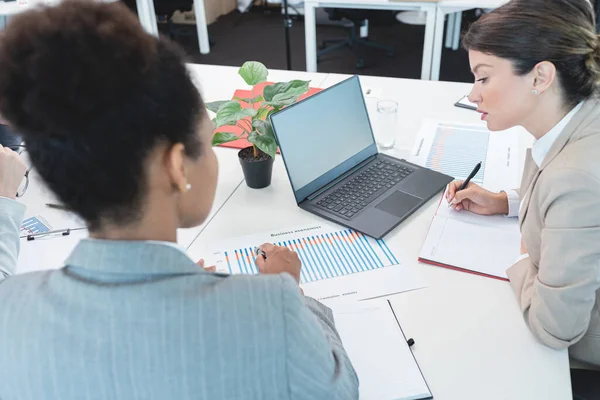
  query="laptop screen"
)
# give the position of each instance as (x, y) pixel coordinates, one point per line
(324, 136)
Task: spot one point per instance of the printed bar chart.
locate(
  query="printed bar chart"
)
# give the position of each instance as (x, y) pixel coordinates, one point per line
(324, 254)
(34, 225)
(457, 149)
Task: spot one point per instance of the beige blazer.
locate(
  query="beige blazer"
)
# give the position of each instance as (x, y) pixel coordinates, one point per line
(558, 286)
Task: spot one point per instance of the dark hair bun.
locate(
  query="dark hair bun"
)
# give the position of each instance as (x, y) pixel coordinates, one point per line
(593, 61)
(79, 50)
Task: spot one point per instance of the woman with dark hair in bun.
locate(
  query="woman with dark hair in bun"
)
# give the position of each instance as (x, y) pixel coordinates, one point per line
(117, 130)
(537, 64)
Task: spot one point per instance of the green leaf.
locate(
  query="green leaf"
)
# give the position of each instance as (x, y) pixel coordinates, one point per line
(285, 90)
(223, 137)
(231, 112)
(264, 143)
(264, 128)
(262, 113)
(215, 105)
(249, 100)
(253, 72)
(280, 103)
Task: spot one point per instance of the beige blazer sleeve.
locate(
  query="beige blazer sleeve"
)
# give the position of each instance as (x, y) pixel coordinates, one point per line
(556, 285)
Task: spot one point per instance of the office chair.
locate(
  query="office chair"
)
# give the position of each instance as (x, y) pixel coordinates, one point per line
(164, 7)
(357, 19)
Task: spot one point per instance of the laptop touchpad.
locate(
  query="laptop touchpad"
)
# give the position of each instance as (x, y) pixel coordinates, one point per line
(398, 203)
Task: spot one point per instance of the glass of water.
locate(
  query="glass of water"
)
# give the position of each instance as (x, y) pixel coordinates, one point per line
(387, 124)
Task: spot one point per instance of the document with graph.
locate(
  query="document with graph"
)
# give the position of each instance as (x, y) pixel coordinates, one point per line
(331, 258)
(485, 245)
(454, 149)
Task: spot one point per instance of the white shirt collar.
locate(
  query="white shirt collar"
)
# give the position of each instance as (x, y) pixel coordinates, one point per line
(542, 146)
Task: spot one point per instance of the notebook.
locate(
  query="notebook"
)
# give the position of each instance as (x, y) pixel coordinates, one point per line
(461, 240)
(380, 354)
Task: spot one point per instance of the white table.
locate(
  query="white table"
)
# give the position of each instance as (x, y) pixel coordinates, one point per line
(471, 341)
(310, 27)
(454, 9)
(147, 17)
(50, 253)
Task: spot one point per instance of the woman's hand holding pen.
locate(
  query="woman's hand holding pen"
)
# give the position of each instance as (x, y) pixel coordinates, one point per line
(476, 199)
(279, 259)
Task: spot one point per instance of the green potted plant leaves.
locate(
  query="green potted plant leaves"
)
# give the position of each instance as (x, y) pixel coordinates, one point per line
(257, 159)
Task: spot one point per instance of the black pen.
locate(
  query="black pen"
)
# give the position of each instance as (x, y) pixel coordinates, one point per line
(468, 180)
(57, 206)
(259, 252)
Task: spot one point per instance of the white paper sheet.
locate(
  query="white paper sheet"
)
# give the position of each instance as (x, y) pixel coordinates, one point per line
(366, 285)
(379, 352)
(455, 149)
(484, 244)
(337, 264)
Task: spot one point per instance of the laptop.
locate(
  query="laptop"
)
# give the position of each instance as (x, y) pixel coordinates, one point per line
(336, 172)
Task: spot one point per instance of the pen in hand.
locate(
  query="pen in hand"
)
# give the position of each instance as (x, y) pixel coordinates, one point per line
(466, 182)
(259, 252)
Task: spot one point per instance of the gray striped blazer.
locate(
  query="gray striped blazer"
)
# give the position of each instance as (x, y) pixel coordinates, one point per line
(139, 320)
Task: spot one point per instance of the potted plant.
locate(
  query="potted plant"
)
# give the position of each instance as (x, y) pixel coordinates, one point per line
(253, 123)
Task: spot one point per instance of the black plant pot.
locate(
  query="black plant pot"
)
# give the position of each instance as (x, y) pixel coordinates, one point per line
(257, 171)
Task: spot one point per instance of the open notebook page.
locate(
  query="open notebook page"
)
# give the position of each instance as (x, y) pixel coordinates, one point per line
(483, 244)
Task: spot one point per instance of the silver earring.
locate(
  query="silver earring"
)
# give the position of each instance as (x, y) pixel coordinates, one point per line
(534, 92)
(188, 187)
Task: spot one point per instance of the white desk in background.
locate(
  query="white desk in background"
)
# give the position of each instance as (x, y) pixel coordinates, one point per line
(147, 17)
(310, 28)
(219, 82)
(146, 14)
(454, 9)
(13, 7)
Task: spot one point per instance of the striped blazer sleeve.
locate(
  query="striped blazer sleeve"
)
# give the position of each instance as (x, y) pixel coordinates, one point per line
(11, 217)
(317, 364)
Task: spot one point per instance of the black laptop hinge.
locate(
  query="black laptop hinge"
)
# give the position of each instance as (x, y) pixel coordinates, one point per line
(340, 178)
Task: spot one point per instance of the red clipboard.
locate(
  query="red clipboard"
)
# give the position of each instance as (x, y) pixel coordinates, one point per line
(454, 267)
(245, 94)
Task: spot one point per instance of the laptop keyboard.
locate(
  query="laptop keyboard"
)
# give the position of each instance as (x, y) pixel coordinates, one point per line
(363, 188)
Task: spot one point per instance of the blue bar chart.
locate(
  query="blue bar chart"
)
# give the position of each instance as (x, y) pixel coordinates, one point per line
(34, 225)
(324, 254)
(457, 149)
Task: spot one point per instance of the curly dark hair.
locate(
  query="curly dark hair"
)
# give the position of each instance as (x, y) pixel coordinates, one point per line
(93, 95)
